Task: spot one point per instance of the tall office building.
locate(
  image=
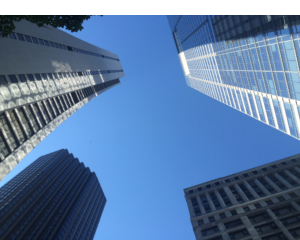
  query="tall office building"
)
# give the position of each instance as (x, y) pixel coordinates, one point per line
(261, 203)
(250, 63)
(45, 76)
(56, 197)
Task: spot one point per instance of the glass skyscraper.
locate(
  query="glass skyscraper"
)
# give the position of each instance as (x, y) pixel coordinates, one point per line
(250, 63)
(56, 197)
(46, 75)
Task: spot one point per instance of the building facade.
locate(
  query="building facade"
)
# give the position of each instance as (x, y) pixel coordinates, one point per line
(46, 75)
(250, 63)
(261, 203)
(56, 197)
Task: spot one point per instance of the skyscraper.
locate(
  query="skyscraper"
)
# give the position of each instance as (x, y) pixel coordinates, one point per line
(56, 197)
(259, 203)
(45, 76)
(250, 63)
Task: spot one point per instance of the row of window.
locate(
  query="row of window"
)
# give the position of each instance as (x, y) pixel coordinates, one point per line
(31, 118)
(21, 78)
(261, 229)
(29, 39)
(262, 186)
(245, 175)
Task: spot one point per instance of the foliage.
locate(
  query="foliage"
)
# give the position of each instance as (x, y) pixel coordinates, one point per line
(70, 22)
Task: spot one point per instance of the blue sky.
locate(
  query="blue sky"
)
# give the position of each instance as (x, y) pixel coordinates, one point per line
(152, 136)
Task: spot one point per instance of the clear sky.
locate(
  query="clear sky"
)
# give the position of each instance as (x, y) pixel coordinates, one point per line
(152, 136)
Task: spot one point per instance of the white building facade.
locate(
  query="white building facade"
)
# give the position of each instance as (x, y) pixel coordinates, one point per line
(46, 75)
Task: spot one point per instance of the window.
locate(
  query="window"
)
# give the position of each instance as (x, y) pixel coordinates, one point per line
(28, 39)
(200, 222)
(281, 199)
(51, 44)
(246, 191)
(264, 169)
(295, 232)
(55, 44)
(283, 163)
(41, 42)
(255, 172)
(293, 195)
(225, 198)
(266, 228)
(283, 211)
(46, 43)
(246, 175)
(211, 219)
(288, 179)
(20, 36)
(199, 189)
(236, 178)
(196, 206)
(215, 201)
(269, 202)
(50, 76)
(191, 191)
(3, 80)
(35, 40)
(13, 79)
(278, 236)
(233, 224)
(227, 180)
(205, 204)
(217, 183)
(38, 77)
(30, 77)
(236, 194)
(256, 188)
(246, 209)
(238, 234)
(257, 205)
(277, 182)
(222, 215)
(290, 220)
(274, 166)
(22, 78)
(233, 212)
(12, 36)
(208, 186)
(210, 231)
(267, 185)
(294, 160)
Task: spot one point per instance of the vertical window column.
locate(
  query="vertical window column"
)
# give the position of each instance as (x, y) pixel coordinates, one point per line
(31, 118)
(262, 187)
(220, 199)
(215, 204)
(284, 179)
(238, 193)
(276, 180)
(200, 205)
(16, 126)
(4, 148)
(292, 176)
(195, 206)
(7, 133)
(25, 122)
(272, 184)
(205, 204)
(230, 195)
(252, 188)
(38, 115)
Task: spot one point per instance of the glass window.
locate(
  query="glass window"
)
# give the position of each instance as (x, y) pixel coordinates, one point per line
(12, 36)
(233, 224)
(38, 114)
(20, 36)
(277, 236)
(30, 77)
(196, 206)
(3, 80)
(50, 75)
(51, 44)
(3, 149)
(238, 234)
(291, 120)
(205, 204)
(236, 194)
(38, 77)
(266, 228)
(13, 79)
(25, 122)
(35, 40)
(268, 111)
(278, 114)
(290, 220)
(10, 138)
(17, 126)
(28, 39)
(210, 231)
(46, 43)
(41, 42)
(29, 114)
(22, 78)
